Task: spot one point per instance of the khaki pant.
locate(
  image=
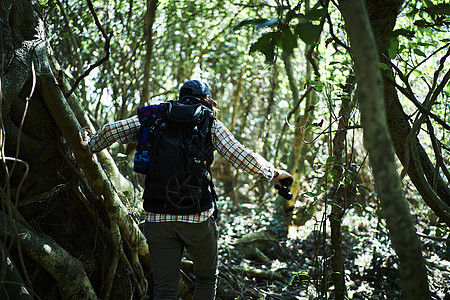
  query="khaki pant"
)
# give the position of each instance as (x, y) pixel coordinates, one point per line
(166, 242)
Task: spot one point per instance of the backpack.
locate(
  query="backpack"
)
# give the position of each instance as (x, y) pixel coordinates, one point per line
(175, 153)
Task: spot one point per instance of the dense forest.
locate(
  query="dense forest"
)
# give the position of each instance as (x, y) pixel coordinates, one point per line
(351, 97)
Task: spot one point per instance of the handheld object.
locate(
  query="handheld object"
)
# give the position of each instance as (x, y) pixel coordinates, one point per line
(283, 190)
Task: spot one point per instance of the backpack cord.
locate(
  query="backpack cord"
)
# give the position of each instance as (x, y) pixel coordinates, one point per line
(214, 194)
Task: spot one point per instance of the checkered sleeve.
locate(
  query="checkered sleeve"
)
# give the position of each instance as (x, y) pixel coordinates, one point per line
(123, 131)
(238, 155)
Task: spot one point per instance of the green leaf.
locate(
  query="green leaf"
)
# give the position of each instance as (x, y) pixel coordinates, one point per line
(258, 23)
(266, 45)
(417, 73)
(428, 3)
(308, 32)
(291, 14)
(333, 173)
(419, 53)
(318, 85)
(246, 22)
(443, 9)
(357, 206)
(383, 66)
(425, 44)
(311, 194)
(348, 180)
(315, 14)
(403, 32)
(439, 9)
(364, 187)
(421, 23)
(393, 47)
(288, 41)
(267, 23)
(330, 160)
(262, 43)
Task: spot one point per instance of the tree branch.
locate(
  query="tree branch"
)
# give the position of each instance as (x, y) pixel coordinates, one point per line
(100, 61)
(407, 92)
(289, 115)
(437, 154)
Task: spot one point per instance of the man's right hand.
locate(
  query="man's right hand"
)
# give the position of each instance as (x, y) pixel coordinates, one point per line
(85, 145)
(281, 175)
(84, 141)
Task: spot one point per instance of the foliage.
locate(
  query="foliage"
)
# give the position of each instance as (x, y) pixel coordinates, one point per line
(238, 48)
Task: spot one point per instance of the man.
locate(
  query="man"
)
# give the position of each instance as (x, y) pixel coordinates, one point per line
(168, 234)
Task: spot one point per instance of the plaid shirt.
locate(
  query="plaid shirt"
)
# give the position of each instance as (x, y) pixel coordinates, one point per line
(224, 142)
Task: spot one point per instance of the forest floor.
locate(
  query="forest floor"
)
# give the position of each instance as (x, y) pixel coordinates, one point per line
(293, 268)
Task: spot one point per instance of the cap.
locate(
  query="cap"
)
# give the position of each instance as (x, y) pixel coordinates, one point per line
(197, 87)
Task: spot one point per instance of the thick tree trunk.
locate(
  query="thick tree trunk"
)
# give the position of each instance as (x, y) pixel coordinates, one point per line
(381, 152)
(26, 135)
(70, 129)
(38, 126)
(420, 169)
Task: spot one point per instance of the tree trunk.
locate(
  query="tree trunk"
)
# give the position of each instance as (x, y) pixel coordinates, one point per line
(284, 209)
(337, 191)
(148, 35)
(413, 156)
(40, 176)
(381, 152)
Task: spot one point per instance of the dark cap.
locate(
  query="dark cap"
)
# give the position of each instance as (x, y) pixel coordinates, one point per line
(197, 88)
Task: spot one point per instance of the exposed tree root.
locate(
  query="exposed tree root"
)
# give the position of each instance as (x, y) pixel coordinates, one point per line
(68, 272)
(252, 245)
(258, 273)
(115, 236)
(11, 283)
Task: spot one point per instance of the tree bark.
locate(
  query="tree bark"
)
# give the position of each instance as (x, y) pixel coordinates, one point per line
(148, 36)
(421, 171)
(337, 192)
(11, 282)
(123, 187)
(68, 272)
(381, 152)
(38, 126)
(70, 128)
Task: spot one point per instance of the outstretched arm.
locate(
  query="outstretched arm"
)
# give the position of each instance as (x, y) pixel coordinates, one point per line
(243, 158)
(122, 131)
